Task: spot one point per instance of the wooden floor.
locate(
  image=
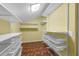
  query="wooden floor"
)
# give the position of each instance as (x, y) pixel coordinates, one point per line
(36, 49)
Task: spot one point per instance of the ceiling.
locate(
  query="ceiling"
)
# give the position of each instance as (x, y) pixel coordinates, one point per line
(6, 15)
(4, 12)
(21, 10)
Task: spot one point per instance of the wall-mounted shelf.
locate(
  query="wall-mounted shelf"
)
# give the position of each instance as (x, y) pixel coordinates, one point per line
(63, 32)
(44, 22)
(10, 43)
(54, 42)
(30, 25)
(14, 50)
(8, 36)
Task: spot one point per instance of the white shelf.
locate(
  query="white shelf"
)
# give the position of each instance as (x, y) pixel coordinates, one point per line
(54, 46)
(13, 53)
(62, 32)
(8, 36)
(10, 44)
(44, 22)
(5, 47)
(54, 40)
(32, 26)
(29, 25)
(14, 50)
(18, 44)
(55, 43)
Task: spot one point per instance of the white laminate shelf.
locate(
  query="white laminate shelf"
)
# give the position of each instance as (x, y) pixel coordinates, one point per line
(44, 22)
(4, 47)
(7, 41)
(17, 45)
(8, 36)
(57, 42)
(15, 41)
(31, 26)
(59, 32)
(54, 40)
(13, 51)
(13, 47)
(56, 49)
(49, 43)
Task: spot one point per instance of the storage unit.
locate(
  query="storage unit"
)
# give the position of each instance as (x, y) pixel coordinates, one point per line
(10, 44)
(57, 44)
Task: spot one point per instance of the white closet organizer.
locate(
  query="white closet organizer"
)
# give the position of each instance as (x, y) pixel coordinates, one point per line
(10, 44)
(55, 43)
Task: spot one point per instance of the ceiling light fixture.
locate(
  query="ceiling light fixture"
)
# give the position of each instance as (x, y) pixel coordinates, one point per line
(34, 7)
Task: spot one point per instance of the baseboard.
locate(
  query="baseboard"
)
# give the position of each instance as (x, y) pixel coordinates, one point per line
(31, 41)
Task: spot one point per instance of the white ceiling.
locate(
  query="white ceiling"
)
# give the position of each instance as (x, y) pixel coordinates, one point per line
(6, 15)
(4, 12)
(21, 10)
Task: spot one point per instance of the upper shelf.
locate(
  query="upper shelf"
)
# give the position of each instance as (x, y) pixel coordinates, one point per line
(45, 21)
(57, 32)
(60, 33)
(30, 25)
(8, 36)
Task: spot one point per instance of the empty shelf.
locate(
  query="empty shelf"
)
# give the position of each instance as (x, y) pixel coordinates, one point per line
(54, 40)
(13, 53)
(54, 46)
(8, 36)
(4, 47)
